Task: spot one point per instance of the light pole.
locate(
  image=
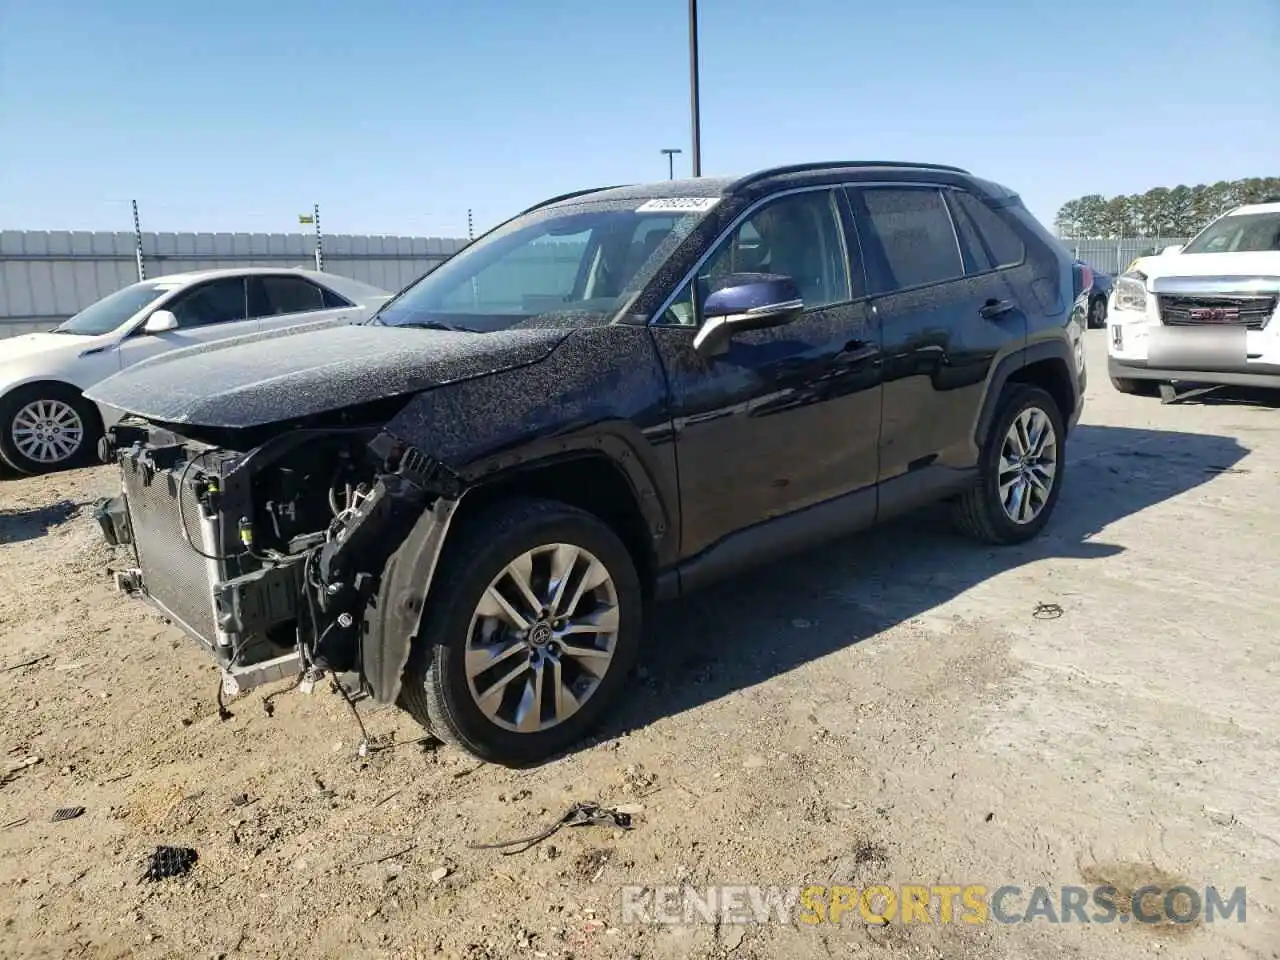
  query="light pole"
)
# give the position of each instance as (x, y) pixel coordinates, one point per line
(693, 87)
(671, 160)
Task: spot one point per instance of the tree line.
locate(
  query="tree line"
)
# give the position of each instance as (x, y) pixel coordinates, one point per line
(1160, 212)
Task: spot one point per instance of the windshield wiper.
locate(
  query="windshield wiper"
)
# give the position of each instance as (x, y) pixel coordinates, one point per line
(433, 325)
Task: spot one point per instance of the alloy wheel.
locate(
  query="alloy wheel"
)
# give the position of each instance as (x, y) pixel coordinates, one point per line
(47, 431)
(1028, 465)
(542, 637)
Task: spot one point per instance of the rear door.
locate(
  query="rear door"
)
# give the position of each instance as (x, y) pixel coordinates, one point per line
(944, 314)
(287, 300)
(208, 311)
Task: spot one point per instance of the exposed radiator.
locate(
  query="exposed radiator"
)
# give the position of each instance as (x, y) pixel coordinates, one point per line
(177, 578)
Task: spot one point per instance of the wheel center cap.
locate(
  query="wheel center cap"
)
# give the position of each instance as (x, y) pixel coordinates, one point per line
(540, 634)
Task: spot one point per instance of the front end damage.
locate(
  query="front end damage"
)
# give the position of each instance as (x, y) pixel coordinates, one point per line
(307, 554)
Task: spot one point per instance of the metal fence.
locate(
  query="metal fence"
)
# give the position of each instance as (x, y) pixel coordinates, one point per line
(47, 276)
(1111, 255)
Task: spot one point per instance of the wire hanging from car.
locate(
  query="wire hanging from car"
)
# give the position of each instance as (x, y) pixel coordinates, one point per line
(182, 516)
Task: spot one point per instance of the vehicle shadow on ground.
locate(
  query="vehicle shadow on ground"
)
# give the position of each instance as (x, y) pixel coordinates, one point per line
(747, 630)
(19, 525)
(1235, 397)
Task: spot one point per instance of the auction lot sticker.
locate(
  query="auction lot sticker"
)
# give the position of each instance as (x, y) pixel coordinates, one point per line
(678, 205)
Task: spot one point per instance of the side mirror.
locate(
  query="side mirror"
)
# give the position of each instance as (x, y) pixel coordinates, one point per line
(746, 301)
(161, 321)
(1171, 250)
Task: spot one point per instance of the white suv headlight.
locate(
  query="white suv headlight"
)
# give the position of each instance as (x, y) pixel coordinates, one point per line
(1131, 292)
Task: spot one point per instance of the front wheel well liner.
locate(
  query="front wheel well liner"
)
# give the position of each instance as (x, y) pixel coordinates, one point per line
(587, 480)
(591, 482)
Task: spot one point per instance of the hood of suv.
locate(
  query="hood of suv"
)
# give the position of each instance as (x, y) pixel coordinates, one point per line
(262, 379)
(1259, 264)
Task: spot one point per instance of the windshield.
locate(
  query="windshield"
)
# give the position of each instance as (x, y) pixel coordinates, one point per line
(1241, 233)
(114, 309)
(563, 266)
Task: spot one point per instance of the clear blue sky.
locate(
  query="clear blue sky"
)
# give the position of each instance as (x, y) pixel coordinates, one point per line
(398, 115)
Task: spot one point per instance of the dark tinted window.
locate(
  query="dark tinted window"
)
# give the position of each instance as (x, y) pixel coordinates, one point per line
(334, 301)
(972, 247)
(219, 301)
(1003, 245)
(915, 232)
(280, 295)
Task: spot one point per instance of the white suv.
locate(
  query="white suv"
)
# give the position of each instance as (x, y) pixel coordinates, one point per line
(1203, 313)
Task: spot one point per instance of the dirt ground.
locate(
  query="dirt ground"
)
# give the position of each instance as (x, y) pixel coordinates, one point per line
(899, 709)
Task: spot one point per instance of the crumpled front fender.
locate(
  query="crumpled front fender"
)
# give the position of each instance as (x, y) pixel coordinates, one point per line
(393, 620)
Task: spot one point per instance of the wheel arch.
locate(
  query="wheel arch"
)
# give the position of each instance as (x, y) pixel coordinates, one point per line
(593, 480)
(56, 384)
(12, 399)
(1048, 364)
(588, 477)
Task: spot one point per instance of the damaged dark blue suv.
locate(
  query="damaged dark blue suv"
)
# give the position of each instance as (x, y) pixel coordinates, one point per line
(619, 395)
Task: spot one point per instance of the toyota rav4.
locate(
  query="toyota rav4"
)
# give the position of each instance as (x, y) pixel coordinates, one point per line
(620, 395)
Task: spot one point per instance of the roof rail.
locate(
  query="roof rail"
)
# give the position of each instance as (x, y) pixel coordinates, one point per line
(839, 164)
(566, 196)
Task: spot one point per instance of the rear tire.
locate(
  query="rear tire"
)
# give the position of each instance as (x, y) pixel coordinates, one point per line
(469, 622)
(1097, 313)
(38, 424)
(992, 511)
(1138, 388)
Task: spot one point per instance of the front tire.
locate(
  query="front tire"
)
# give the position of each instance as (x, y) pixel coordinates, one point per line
(1020, 471)
(532, 624)
(48, 427)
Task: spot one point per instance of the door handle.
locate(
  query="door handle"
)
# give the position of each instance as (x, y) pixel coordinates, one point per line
(853, 349)
(995, 308)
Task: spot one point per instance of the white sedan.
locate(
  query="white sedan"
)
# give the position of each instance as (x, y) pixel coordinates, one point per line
(45, 422)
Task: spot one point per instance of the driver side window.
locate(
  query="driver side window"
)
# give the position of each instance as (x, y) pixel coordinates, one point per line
(218, 301)
(799, 236)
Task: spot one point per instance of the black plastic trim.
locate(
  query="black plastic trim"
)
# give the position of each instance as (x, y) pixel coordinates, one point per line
(1056, 349)
(789, 534)
(834, 165)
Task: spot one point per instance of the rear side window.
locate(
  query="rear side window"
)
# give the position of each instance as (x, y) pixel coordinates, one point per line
(915, 233)
(1000, 245)
(334, 301)
(280, 295)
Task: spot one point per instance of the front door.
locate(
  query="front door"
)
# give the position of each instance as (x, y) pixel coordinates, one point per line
(788, 417)
(209, 311)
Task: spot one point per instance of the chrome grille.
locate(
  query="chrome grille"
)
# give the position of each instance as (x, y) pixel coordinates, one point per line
(176, 576)
(1251, 312)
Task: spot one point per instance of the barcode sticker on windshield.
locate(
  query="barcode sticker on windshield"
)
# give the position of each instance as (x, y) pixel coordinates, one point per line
(678, 205)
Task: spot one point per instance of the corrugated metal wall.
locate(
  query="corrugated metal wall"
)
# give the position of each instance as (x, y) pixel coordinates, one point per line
(1114, 256)
(47, 276)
